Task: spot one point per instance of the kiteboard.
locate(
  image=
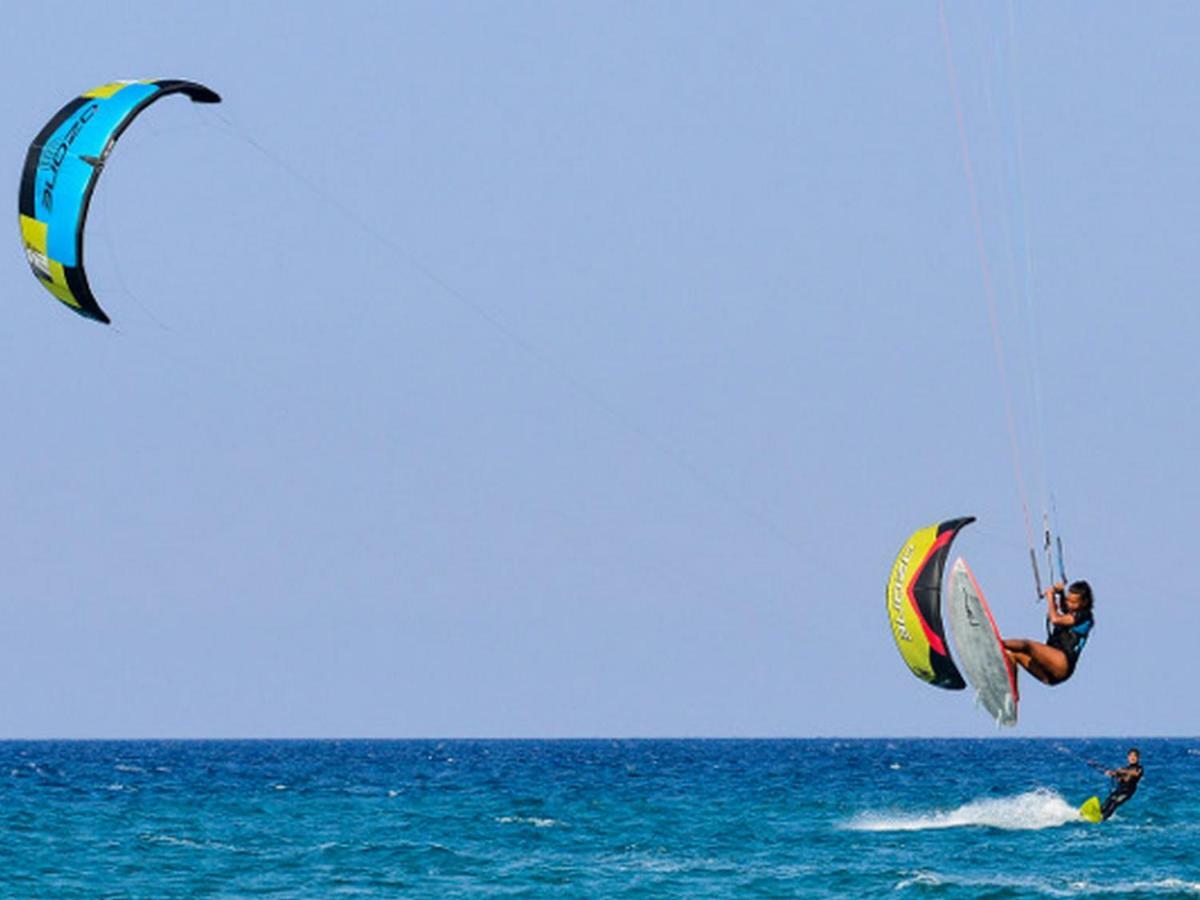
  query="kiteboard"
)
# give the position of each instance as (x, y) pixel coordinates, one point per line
(1091, 810)
(981, 655)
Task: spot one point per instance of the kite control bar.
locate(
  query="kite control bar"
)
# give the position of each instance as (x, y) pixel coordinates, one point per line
(1054, 553)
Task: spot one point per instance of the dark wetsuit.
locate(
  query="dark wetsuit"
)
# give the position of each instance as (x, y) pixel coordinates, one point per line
(1126, 787)
(1070, 639)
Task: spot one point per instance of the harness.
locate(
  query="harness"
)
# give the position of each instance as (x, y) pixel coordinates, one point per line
(1071, 639)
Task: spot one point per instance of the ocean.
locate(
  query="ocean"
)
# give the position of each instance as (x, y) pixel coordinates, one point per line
(594, 818)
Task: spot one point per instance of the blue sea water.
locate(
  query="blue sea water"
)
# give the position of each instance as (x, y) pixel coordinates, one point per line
(677, 818)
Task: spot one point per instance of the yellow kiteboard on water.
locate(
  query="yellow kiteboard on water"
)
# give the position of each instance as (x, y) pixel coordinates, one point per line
(1091, 810)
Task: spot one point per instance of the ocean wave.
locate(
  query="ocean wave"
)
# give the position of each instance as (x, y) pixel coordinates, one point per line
(1030, 811)
(660, 862)
(535, 821)
(171, 840)
(1047, 887)
(1157, 886)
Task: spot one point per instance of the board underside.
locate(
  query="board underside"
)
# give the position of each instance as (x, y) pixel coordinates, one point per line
(981, 655)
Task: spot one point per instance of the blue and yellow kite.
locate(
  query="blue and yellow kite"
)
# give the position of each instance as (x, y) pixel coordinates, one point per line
(61, 169)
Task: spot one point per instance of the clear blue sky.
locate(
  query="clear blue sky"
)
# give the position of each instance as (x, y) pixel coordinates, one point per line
(577, 369)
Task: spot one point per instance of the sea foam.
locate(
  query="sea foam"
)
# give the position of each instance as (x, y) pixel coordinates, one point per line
(1023, 812)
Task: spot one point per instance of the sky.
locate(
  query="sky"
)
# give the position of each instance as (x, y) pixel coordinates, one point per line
(576, 370)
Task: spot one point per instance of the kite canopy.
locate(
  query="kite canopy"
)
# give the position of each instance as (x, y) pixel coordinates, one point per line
(914, 604)
(61, 169)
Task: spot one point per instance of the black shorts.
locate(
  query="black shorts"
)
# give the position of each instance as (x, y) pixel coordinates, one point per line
(1115, 799)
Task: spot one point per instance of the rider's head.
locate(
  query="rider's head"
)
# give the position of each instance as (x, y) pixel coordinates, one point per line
(1079, 595)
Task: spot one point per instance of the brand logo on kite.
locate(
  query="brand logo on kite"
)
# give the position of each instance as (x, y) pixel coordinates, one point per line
(897, 598)
(54, 154)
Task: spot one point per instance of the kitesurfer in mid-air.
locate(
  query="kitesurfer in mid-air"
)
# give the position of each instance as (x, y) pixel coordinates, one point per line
(1054, 661)
(1125, 781)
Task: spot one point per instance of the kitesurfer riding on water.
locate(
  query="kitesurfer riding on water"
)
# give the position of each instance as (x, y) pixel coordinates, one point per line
(1125, 781)
(1054, 661)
